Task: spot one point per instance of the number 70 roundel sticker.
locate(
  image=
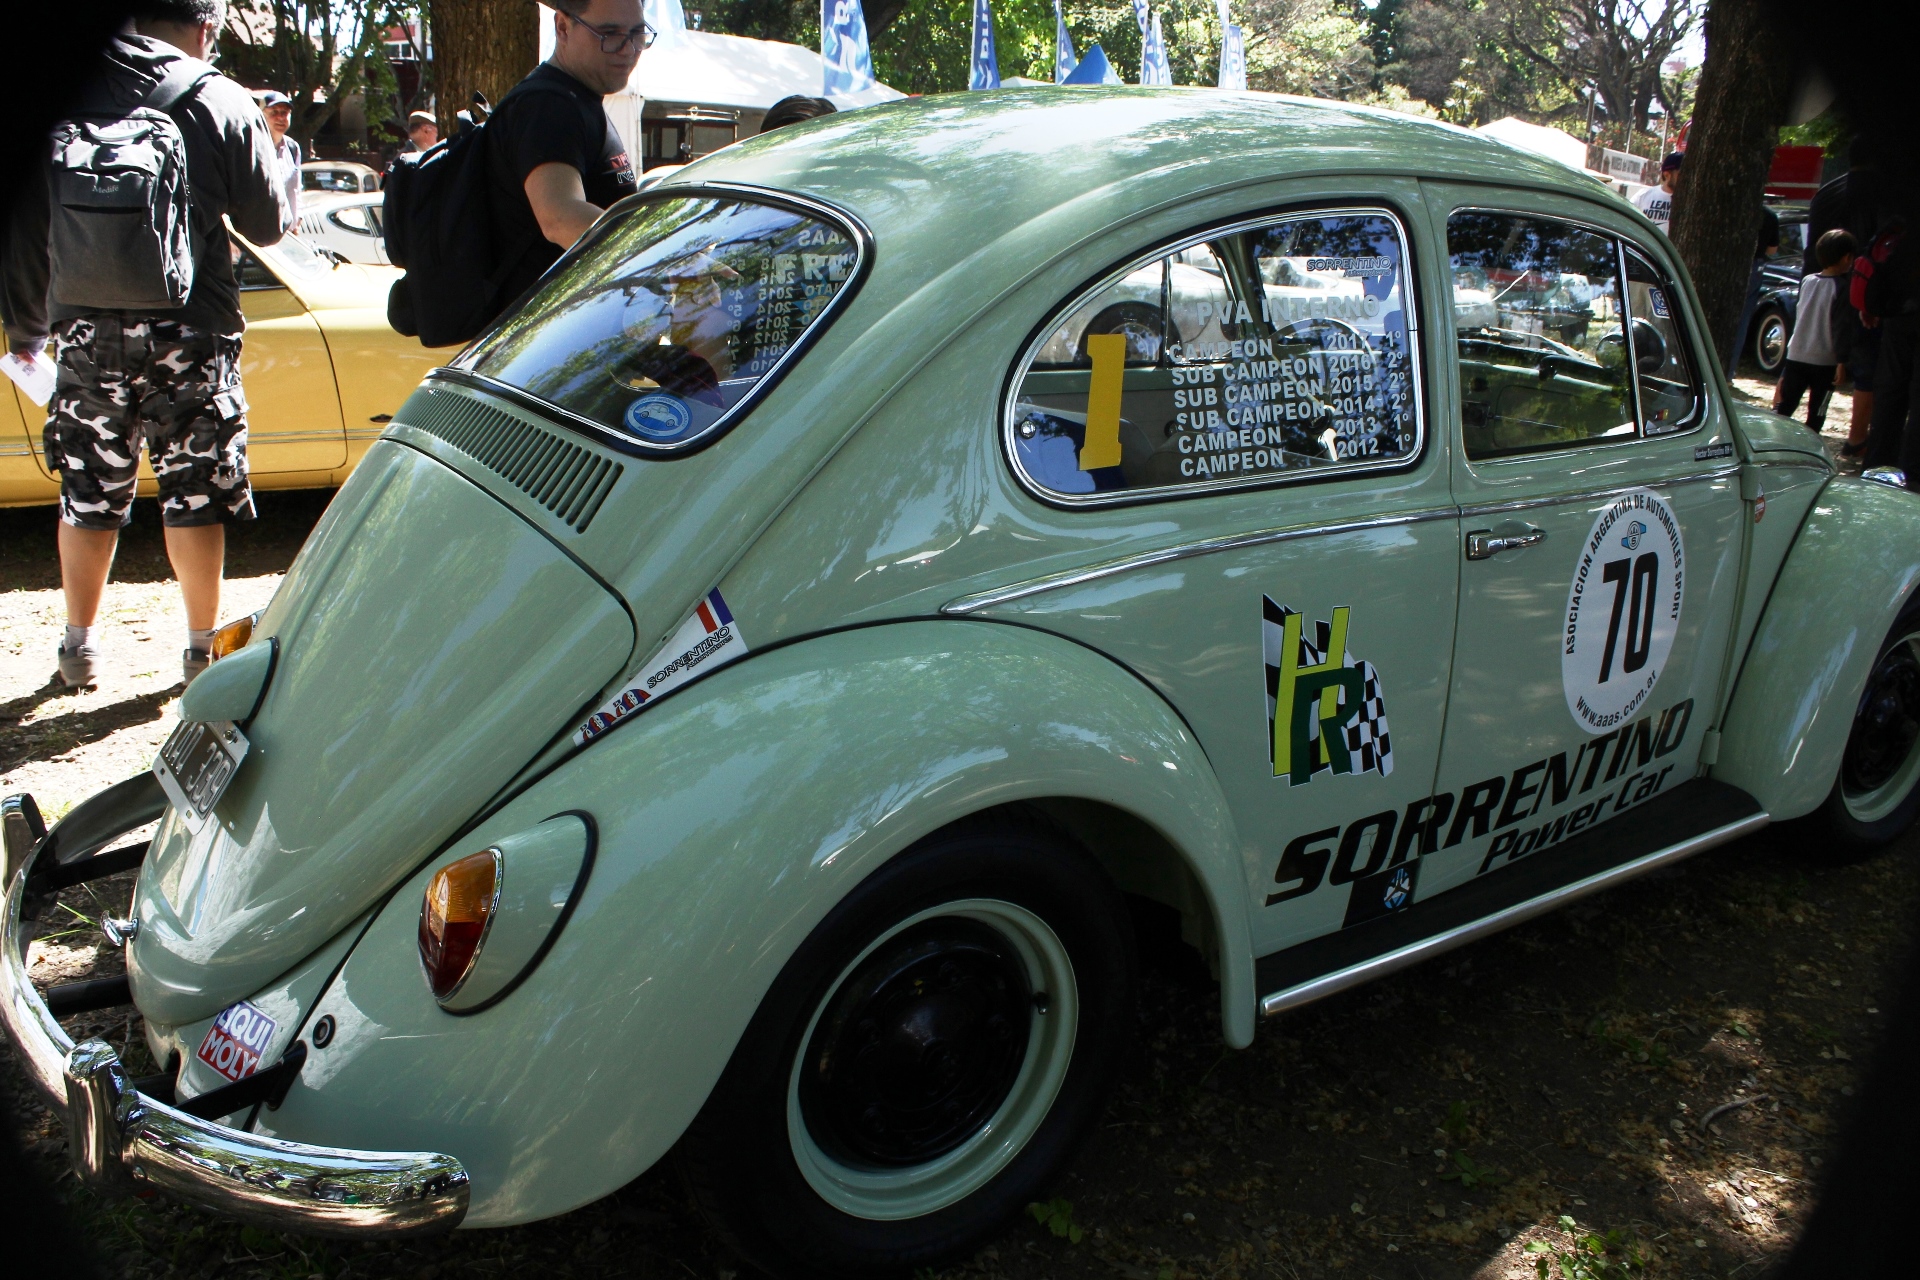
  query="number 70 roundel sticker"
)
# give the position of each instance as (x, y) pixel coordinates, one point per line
(1622, 610)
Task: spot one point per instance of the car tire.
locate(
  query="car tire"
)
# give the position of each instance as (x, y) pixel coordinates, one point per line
(1877, 793)
(1770, 334)
(1143, 324)
(1027, 950)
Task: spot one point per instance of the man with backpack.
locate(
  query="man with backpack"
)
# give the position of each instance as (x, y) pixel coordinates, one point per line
(118, 255)
(479, 218)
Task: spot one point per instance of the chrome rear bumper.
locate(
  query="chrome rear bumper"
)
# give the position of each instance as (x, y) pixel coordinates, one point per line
(120, 1138)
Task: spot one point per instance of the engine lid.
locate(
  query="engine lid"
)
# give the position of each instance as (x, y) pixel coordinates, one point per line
(431, 642)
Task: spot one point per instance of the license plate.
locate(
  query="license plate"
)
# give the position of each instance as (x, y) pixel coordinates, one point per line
(196, 763)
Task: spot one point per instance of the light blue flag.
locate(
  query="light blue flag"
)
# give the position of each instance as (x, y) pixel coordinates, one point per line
(843, 47)
(1143, 16)
(665, 17)
(1063, 60)
(1233, 59)
(1094, 69)
(986, 66)
(1153, 57)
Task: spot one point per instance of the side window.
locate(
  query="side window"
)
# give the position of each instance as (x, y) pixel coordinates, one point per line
(1669, 389)
(1261, 353)
(1543, 360)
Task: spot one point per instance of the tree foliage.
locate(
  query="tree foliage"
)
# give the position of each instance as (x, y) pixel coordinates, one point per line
(318, 53)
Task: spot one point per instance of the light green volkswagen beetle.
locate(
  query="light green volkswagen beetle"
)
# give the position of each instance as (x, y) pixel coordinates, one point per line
(731, 708)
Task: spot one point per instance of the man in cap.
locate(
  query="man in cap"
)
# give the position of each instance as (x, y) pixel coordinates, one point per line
(279, 110)
(422, 130)
(1657, 202)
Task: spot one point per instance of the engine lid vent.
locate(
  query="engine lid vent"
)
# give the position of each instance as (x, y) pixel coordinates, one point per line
(569, 480)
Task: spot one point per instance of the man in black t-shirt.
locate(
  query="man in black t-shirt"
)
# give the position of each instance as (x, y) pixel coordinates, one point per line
(554, 160)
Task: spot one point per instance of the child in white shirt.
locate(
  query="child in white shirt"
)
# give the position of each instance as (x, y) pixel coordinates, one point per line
(1814, 350)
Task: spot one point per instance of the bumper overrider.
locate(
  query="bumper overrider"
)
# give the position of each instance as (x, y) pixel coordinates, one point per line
(122, 1139)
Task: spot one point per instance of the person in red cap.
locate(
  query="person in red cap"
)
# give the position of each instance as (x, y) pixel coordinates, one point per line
(1657, 202)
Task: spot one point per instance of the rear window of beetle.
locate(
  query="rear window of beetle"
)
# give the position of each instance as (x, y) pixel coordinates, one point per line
(673, 318)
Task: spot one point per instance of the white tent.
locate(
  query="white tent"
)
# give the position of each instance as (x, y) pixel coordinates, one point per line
(700, 68)
(1542, 141)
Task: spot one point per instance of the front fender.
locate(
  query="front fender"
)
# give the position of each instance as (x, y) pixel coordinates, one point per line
(732, 816)
(1849, 573)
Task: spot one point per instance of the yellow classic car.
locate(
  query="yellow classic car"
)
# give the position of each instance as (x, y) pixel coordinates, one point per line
(323, 374)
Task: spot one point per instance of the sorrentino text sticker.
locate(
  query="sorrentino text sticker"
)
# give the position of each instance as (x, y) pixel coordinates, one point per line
(707, 639)
(1325, 711)
(1623, 610)
(236, 1040)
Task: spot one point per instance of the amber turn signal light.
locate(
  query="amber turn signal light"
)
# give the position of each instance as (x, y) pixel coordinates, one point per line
(233, 637)
(461, 900)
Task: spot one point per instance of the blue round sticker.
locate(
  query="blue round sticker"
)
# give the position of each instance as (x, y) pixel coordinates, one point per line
(659, 416)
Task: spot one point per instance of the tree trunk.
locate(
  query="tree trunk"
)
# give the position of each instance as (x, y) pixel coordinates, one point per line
(1744, 90)
(484, 45)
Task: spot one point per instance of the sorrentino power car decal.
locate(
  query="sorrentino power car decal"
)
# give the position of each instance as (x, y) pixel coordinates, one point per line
(1324, 710)
(1623, 610)
(1600, 778)
(709, 638)
(235, 1041)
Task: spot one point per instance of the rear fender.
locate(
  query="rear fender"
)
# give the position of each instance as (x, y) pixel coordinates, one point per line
(1850, 572)
(732, 817)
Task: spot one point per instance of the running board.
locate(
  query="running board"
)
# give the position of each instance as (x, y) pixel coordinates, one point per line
(1690, 819)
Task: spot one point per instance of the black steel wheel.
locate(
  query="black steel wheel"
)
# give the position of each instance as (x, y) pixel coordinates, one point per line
(926, 1062)
(1877, 793)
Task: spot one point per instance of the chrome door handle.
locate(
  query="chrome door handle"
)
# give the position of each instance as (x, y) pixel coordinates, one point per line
(1483, 544)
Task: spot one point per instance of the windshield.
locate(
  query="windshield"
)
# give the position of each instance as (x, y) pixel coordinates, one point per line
(673, 316)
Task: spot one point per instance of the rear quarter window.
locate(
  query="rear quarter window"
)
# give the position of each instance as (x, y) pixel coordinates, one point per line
(1268, 351)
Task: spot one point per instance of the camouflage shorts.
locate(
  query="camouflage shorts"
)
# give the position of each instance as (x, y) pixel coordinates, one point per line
(124, 381)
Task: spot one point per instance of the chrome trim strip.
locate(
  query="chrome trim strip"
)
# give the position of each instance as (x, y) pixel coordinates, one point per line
(1593, 495)
(1074, 577)
(1415, 952)
(16, 451)
(1409, 307)
(119, 1137)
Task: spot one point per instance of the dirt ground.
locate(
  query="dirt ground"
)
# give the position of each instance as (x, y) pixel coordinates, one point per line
(1663, 1066)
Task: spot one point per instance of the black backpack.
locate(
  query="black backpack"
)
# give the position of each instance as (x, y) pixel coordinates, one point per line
(121, 227)
(436, 224)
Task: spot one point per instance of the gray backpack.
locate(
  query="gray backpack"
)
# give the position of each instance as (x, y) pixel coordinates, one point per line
(121, 230)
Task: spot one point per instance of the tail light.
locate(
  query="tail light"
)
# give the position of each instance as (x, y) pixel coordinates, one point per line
(233, 637)
(462, 899)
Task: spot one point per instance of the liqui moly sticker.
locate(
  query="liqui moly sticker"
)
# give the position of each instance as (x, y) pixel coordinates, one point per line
(236, 1041)
(710, 638)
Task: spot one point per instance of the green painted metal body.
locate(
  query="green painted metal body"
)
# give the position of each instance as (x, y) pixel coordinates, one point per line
(1852, 569)
(444, 632)
(732, 817)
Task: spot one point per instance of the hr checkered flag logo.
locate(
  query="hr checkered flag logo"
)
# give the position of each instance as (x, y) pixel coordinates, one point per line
(1325, 711)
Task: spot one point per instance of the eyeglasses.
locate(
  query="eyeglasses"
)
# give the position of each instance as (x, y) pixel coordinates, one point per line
(616, 40)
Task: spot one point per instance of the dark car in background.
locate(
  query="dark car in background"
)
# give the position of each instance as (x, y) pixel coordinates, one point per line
(1771, 325)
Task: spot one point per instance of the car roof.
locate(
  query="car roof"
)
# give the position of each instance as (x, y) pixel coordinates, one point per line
(985, 159)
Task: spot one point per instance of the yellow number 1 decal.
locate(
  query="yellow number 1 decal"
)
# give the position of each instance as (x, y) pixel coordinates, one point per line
(1100, 447)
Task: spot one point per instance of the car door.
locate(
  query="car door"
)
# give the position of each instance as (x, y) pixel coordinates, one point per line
(293, 405)
(1263, 382)
(1601, 532)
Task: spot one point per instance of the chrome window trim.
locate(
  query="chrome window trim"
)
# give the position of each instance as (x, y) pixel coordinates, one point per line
(1410, 307)
(1622, 244)
(1182, 551)
(994, 596)
(458, 371)
(1698, 417)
